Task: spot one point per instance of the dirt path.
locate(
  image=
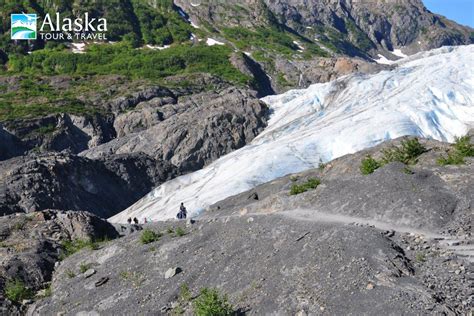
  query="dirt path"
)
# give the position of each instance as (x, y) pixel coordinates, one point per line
(463, 248)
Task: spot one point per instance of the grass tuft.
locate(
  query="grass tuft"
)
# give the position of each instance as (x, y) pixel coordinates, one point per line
(312, 183)
(148, 236)
(16, 291)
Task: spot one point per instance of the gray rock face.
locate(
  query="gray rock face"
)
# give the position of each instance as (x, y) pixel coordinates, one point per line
(31, 246)
(63, 131)
(388, 24)
(145, 115)
(160, 136)
(123, 103)
(371, 25)
(398, 241)
(62, 180)
(303, 73)
(195, 131)
(10, 145)
(296, 265)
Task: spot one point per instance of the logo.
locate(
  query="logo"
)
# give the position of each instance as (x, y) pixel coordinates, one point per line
(23, 26)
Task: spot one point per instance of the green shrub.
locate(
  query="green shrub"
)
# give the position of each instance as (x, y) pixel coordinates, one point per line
(148, 236)
(70, 247)
(121, 59)
(453, 158)
(16, 291)
(180, 232)
(211, 303)
(312, 183)
(462, 148)
(369, 165)
(407, 153)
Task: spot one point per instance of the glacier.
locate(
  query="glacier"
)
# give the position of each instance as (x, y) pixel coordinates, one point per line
(429, 94)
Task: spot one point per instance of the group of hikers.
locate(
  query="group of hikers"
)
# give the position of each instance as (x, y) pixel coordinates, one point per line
(182, 214)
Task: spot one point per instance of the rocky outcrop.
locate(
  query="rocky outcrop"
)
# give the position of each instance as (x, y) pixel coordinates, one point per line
(154, 135)
(10, 145)
(303, 73)
(32, 245)
(65, 181)
(63, 131)
(193, 132)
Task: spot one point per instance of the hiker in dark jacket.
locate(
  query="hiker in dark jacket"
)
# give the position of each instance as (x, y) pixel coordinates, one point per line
(182, 212)
(135, 220)
(129, 220)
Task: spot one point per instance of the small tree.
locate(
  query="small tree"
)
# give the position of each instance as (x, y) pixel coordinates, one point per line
(211, 303)
(407, 153)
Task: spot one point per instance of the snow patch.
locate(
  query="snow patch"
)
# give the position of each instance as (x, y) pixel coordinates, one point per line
(399, 53)
(383, 60)
(430, 94)
(194, 25)
(78, 48)
(300, 48)
(158, 47)
(212, 42)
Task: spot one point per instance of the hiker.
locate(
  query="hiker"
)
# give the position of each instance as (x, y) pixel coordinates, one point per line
(182, 212)
(129, 220)
(135, 220)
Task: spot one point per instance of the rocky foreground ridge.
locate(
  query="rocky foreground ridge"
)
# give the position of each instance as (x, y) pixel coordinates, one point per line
(32, 245)
(398, 240)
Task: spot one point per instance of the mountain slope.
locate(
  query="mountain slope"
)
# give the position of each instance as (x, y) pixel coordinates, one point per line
(350, 27)
(421, 97)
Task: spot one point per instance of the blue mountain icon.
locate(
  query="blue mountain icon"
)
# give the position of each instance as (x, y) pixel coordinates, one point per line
(23, 26)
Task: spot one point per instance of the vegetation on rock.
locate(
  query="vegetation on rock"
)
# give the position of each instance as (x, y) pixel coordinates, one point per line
(16, 291)
(462, 149)
(369, 165)
(211, 303)
(407, 153)
(148, 236)
(312, 183)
